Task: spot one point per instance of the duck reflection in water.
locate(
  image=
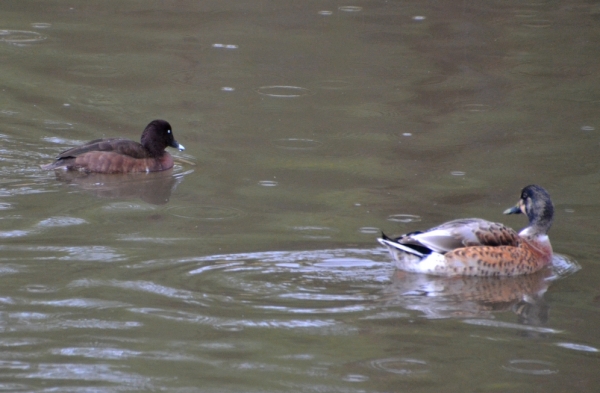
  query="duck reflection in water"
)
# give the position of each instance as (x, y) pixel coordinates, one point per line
(154, 188)
(478, 297)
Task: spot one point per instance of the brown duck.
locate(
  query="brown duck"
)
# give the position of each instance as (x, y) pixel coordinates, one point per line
(117, 155)
(476, 247)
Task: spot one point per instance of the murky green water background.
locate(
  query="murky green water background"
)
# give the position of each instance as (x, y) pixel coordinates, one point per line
(309, 126)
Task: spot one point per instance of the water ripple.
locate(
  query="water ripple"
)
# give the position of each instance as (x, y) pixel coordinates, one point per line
(337, 310)
(327, 324)
(350, 8)
(19, 37)
(404, 218)
(41, 25)
(65, 253)
(96, 353)
(508, 325)
(283, 91)
(175, 315)
(58, 125)
(88, 372)
(531, 366)
(61, 222)
(14, 365)
(207, 213)
(369, 230)
(315, 232)
(45, 322)
(401, 366)
(14, 233)
(80, 303)
(156, 289)
(268, 183)
(578, 347)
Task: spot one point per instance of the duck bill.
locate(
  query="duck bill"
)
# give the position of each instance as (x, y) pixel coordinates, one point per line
(178, 146)
(513, 210)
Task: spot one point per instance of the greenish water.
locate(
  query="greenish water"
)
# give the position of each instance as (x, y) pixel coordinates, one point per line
(309, 127)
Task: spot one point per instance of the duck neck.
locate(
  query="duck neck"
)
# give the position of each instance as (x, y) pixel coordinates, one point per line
(540, 221)
(151, 147)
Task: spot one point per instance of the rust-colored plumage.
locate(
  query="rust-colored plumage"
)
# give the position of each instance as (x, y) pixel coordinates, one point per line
(476, 247)
(116, 155)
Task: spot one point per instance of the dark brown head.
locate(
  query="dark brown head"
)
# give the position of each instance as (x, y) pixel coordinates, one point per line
(157, 136)
(535, 202)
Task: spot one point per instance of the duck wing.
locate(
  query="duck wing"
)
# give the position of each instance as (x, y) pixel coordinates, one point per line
(117, 145)
(463, 233)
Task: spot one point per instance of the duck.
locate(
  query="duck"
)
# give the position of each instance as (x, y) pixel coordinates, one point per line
(477, 247)
(118, 155)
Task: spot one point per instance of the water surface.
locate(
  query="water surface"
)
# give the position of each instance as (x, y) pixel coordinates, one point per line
(309, 127)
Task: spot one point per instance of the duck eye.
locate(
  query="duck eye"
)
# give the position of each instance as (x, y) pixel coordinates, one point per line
(169, 131)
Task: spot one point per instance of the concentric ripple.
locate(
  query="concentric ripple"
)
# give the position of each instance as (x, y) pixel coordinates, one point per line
(350, 8)
(21, 36)
(531, 367)
(315, 232)
(268, 183)
(404, 218)
(41, 25)
(283, 91)
(401, 366)
(57, 125)
(369, 230)
(476, 107)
